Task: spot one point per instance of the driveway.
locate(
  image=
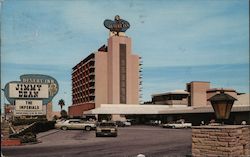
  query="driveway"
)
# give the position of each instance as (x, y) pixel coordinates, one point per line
(131, 141)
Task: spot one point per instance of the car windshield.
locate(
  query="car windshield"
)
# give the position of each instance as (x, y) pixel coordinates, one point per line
(107, 124)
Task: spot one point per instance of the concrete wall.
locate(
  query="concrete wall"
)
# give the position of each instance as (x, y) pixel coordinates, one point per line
(77, 110)
(101, 78)
(133, 80)
(228, 140)
(132, 71)
(113, 70)
(199, 93)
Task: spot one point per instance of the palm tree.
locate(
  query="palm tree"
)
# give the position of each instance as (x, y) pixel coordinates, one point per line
(61, 103)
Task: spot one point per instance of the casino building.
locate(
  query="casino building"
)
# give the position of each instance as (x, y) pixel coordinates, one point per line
(107, 83)
(110, 75)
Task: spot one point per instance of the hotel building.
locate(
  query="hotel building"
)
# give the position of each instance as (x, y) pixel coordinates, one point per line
(109, 76)
(107, 82)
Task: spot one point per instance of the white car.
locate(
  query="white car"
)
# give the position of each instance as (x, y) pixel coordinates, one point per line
(75, 124)
(127, 123)
(106, 129)
(178, 124)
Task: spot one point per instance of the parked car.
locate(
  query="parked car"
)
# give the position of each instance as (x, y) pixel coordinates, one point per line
(122, 123)
(154, 122)
(177, 124)
(75, 124)
(127, 123)
(106, 129)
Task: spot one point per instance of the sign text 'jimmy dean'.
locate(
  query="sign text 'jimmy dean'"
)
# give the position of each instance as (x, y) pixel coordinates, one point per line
(27, 90)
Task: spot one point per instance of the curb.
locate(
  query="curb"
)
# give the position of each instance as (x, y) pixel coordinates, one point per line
(52, 132)
(11, 142)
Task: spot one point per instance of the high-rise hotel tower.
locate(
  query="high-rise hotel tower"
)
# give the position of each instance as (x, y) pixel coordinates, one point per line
(109, 76)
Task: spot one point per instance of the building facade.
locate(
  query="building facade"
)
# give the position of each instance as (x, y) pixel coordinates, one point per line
(109, 76)
(196, 94)
(175, 105)
(177, 97)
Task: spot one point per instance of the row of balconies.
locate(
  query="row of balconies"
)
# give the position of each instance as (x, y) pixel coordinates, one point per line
(80, 89)
(85, 100)
(83, 90)
(82, 83)
(90, 89)
(83, 65)
(140, 79)
(83, 74)
(84, 96)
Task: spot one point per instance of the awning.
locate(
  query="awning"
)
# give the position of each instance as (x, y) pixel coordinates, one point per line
(156, 109)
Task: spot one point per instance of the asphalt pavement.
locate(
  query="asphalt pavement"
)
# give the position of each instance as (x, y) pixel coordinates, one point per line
(131, 141)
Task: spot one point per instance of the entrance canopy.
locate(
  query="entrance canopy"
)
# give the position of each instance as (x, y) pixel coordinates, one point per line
(155, 109)
(135, 109)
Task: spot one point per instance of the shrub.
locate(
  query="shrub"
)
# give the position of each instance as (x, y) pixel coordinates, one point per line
(43, 126)
(28, 137)
(29, 134)
(18, 121)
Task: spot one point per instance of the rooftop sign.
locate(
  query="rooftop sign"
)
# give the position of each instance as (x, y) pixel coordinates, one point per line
(116, 26)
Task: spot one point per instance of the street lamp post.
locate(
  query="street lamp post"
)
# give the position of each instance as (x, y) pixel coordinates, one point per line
(222, 104)
(4, 103)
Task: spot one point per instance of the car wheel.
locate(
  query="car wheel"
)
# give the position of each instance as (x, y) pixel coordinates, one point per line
(173, 127)
(64, 128)
(87, 128)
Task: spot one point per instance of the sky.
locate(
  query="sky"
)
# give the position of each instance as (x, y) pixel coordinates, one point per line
(179, 40)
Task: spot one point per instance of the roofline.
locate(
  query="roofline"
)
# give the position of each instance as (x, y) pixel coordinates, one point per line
(199, 81)
(221, 89)
(83, 61)
(169, 93)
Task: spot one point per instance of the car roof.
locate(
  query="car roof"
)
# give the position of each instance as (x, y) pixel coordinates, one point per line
(74, 119)
(108, 122)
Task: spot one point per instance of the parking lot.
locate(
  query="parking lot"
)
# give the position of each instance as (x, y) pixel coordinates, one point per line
(131, 141)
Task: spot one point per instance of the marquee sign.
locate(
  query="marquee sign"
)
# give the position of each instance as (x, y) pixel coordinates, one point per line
(29, 107)
(26, 90)
(31, 93)
(118, 25)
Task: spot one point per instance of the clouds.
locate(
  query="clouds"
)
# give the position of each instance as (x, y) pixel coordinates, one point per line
(162, 79)
(196, 32)
(167, 28)
(50, 37)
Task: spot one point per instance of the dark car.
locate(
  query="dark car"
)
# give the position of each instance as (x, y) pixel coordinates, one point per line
(106, 129)
(120, 123)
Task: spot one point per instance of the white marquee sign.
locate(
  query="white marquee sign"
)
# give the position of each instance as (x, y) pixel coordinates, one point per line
(25, 90)
(29, 107)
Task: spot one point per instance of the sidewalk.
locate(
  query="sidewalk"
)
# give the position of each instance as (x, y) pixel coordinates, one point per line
(43, 134)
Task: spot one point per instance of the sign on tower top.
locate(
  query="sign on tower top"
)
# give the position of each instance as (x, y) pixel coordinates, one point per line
(116, 26)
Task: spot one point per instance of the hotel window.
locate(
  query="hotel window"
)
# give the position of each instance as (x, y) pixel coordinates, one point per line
(123, 73)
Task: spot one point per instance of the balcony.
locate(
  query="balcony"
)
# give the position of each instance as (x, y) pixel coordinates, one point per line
(92, 80)
(92, 66)
(92, 94)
